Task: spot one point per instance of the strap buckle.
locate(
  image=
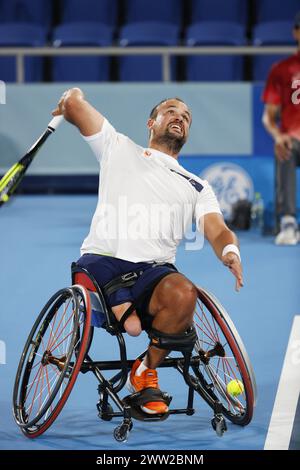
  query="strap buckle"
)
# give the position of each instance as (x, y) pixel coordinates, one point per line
(129, 276)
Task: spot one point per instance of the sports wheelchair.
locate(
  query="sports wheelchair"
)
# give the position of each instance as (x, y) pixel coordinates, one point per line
(58, 345)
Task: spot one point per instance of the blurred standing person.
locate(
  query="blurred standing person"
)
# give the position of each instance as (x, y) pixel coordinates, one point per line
(281, 118)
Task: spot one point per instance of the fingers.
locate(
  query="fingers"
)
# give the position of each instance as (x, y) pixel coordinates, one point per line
(284, 156)
(237, 272)
(283, 147)
(56, 112)
(232, 261)
(239, 283)
(60, 106)
(282, 152)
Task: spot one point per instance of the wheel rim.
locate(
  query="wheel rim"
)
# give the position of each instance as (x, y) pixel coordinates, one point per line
(49, 363)
(221, 362)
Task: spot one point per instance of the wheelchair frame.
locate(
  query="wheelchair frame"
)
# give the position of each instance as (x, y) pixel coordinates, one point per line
(109, 389)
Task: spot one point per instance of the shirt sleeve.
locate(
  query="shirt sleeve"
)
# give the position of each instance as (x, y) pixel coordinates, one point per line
(272, 90)
(103, 142)
(206, 203)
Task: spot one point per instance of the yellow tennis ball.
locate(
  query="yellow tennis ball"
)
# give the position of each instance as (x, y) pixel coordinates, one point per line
(235, 388)
(5, 198)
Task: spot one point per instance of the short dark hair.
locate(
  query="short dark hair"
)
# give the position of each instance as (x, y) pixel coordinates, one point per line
(153, 113)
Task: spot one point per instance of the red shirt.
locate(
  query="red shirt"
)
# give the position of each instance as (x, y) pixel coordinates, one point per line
(283, 89)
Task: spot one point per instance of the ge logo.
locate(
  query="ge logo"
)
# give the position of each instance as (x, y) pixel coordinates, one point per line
(296, 94)
(230, 183)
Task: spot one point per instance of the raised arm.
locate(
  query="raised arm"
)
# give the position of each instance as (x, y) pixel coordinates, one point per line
(220, 237)
(79, 112)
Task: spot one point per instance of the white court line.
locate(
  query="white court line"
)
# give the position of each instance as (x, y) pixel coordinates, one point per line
(283, 415)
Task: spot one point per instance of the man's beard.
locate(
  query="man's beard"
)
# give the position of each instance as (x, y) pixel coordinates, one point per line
(172, 142)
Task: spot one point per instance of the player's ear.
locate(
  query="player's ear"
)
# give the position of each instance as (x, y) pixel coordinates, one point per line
(150, 123)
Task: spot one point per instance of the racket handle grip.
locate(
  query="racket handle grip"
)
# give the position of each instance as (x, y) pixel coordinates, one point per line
(55, 122)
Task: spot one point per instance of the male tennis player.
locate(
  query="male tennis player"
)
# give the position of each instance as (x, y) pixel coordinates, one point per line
(127, 237)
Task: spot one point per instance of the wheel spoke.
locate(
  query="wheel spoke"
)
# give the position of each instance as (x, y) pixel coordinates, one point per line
(234, 375)
(207, 331)
(206, 342)
(33, 399)
(51, 388)
(220, 386)
(40, 400)
(208, 323)
(32, 383)
(233, 402)
(51, 332)
(57, 345)
(48, 384)
(217, 328)
(209, 337)
(61, 332)
(64, 312)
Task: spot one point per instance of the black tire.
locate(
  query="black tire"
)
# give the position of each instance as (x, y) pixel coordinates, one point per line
(55, 348)
(218, 338)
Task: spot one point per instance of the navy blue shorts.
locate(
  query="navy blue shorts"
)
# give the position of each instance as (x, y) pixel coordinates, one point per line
(106, 268)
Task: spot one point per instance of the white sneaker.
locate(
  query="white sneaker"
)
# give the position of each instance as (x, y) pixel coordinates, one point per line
(288, 234)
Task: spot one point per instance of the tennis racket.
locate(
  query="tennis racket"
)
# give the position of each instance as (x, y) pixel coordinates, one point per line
(12, 178)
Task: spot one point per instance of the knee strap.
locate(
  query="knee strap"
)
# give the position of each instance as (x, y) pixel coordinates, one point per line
(183, 342)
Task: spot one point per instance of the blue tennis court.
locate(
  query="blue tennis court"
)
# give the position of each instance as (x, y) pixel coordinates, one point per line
(40, 236)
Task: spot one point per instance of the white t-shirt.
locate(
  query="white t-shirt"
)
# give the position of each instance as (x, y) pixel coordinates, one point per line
(144, 209)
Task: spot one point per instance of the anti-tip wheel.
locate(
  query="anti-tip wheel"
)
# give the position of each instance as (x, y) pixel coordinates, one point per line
(219, 425)
(121, 433)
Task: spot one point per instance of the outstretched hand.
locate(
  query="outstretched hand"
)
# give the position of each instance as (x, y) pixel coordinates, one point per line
(232, 261)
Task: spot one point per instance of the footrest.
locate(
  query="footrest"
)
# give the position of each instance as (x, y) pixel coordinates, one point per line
(138, 399)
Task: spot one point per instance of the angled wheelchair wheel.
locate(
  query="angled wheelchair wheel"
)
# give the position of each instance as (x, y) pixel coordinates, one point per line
(51, 360)
(223, 359)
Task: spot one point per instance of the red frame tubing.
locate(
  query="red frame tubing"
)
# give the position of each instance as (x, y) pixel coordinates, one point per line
(236, 351)
(76, 371)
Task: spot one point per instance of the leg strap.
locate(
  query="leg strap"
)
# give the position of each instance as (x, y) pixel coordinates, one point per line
(127, 314)
(183, 342)
(148, 289)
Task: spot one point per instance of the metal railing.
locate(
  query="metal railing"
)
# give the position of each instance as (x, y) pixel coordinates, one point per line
(165, 52)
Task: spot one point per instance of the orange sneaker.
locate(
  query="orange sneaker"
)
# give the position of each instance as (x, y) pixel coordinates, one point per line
(147, 379)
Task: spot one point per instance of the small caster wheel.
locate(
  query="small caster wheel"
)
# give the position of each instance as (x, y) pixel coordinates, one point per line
(103, 413)
(219, 425)
(121, 433)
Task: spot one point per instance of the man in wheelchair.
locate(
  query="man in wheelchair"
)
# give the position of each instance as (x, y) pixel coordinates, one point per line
(130, 251)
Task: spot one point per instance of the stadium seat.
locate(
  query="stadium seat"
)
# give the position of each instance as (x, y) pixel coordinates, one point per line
(214, 68)
(219, 10)
(21, 34)
(276, 10)
(270, 34)
(79, 68)
(164, 11)
(102, 11)
(26, 11)
(146, 68)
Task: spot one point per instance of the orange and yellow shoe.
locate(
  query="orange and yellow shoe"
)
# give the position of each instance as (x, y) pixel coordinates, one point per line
(147, 379)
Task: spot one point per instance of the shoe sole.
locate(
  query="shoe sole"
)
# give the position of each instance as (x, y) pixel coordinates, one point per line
(131, 389)
(290, 243)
